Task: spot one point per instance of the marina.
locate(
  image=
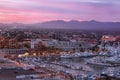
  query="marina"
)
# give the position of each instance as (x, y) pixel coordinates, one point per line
(59, 55)
(78, 66)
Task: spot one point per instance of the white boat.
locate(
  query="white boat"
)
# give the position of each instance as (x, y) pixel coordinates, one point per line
(98, 62)
(28, 67)
(108, 54)
(83, 54)
(114, 60)
(88, 54)
(27, 76)
(66, 56)
(76, 55)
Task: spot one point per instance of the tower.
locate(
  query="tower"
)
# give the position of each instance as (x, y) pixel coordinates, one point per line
(32, 43)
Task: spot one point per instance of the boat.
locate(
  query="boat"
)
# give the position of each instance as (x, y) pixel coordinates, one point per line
(66, 56)
(83, 55)
(114, 60)
(107, 54)
(28, 67)
(76, 55)
(98, 62)
(87, 54)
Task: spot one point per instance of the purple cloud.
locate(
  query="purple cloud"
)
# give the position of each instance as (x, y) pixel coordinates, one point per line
(44, 10)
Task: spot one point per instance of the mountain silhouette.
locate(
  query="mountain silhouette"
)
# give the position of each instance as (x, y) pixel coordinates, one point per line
(73, 24)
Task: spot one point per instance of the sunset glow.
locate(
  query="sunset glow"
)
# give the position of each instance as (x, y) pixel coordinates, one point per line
(33, 11)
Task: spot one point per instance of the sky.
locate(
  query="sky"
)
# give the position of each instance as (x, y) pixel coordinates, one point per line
(34, 11)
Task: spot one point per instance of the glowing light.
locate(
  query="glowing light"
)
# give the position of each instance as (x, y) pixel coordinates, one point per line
(34, 54)
(20, 55)
(26, 54)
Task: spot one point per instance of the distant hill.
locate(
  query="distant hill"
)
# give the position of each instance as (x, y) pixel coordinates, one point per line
(84, 25)
(73, 24)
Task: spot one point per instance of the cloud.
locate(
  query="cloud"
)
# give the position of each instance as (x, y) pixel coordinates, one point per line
(43, 10)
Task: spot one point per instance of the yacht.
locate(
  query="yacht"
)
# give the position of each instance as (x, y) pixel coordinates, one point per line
(87, 54)
(114, 60)
(76, 55)
(107, 54)
(112, 72)
(28, 67)
(66, 56)
(83, 54)
(98, 62)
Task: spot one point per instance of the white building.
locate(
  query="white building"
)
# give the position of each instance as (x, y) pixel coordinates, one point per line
(68, 45)
(14, 51)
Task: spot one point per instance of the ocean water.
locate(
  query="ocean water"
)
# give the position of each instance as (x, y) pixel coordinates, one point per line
(92, 69)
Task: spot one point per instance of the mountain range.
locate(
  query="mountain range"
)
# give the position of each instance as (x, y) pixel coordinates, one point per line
(73, 24)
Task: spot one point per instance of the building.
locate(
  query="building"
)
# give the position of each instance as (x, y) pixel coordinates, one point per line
(72, 45)
(12, 44)
(3, 42)
(14, 51)
(108, 38)
(8, 43)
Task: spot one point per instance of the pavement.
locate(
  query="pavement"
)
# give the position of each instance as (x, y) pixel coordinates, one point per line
(12, 73)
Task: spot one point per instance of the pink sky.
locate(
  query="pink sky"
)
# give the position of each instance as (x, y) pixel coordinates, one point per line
(33, 11)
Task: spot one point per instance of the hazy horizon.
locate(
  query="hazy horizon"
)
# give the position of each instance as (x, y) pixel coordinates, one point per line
(59, 21)
(37, 11)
